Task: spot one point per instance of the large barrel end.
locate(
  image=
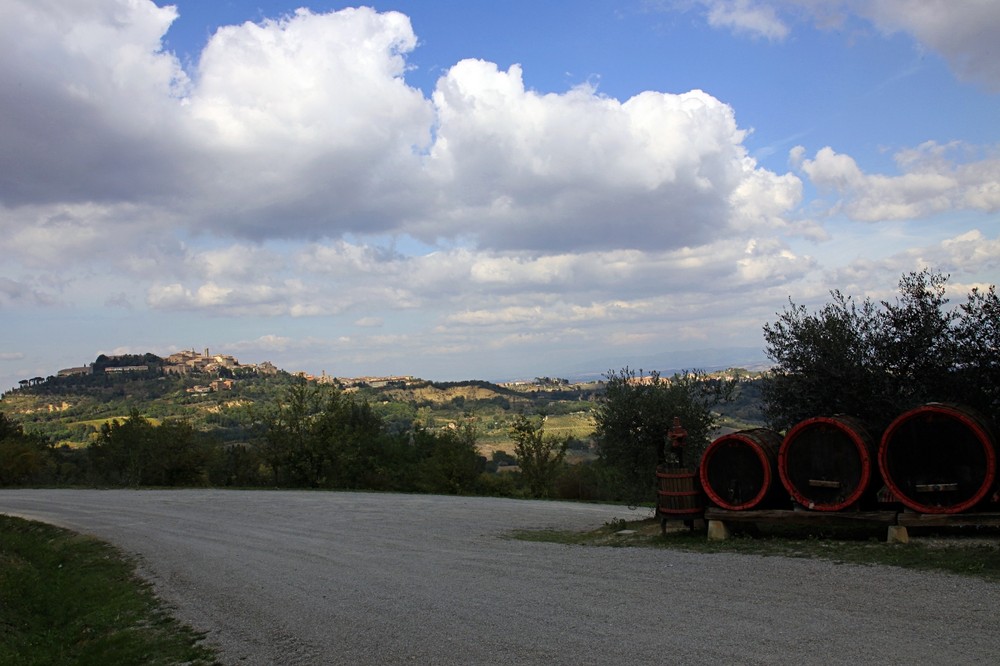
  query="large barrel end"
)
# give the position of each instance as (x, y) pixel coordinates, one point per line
(939, 458)
(826, 463)
(739, 471)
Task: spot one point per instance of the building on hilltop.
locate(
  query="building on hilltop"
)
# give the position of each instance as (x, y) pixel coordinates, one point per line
(82, 370)
(121, 369)
(182, 357)
(396, 381)
(189, 361)
(225, 360)
(265, 368)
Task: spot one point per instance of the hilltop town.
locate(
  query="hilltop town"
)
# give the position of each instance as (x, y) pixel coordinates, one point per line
(225, 367)
(182, 363)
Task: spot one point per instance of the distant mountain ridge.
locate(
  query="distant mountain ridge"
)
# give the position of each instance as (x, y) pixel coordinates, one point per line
(668, 363)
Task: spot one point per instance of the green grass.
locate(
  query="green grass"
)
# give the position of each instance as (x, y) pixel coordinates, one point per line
(959, 552)
(97, 423)
(71, 599)
(576, 424)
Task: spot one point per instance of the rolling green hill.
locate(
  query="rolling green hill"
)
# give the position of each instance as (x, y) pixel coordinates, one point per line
(70, 410)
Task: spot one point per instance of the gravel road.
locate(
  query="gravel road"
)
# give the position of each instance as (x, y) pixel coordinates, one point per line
(359, 578)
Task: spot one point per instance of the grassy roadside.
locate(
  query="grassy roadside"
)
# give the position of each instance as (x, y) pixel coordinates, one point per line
(71, 599)
(963, 553)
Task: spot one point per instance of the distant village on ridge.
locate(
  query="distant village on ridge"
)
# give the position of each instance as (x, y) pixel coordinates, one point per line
(225, 367)
(223, 370)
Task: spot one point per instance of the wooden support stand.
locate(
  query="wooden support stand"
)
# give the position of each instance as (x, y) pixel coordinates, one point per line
(717, 530)
(719, 519)
(694, 522)
(897, 534)
(897, 523)
(908, 519)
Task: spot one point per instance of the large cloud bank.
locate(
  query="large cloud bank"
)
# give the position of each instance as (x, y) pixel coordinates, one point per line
(291, 170)
(305, 127)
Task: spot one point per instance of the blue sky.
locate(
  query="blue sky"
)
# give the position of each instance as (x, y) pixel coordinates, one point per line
(461, 190)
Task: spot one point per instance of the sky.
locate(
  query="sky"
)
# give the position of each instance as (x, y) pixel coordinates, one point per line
(478, 190)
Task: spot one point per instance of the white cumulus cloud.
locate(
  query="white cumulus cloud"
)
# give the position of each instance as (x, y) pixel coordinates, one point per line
(934, 180)
(747, 17)
(304, 127)
(579, 170)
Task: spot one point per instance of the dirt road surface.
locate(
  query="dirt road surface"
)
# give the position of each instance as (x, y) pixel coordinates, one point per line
(290, 577)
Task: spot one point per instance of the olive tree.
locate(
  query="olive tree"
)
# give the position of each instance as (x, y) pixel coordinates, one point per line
(977, 349)
(876, 360)
(540, 457)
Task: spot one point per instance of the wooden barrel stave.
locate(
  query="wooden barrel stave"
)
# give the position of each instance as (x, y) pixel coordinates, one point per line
(678, 492)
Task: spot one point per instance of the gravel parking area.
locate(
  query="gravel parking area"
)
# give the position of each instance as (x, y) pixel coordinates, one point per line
(297, 577)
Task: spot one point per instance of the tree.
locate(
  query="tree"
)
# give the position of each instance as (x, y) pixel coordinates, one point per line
(449, 461)
(874, 361)
(817, 355)
(236, 465)
(539, 457)
(977, 349)
(360, 448)
(293, 445)
(136, 452)
(23, 458)
(180, 455)
(9, 427)
(916, 347)
(318, 437)
(123, 451)
(635, 414)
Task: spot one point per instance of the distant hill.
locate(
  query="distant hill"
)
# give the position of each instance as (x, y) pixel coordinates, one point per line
(70, 408)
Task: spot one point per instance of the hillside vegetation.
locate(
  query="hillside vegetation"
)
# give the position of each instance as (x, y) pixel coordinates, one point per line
(145, 426)
(70, 411)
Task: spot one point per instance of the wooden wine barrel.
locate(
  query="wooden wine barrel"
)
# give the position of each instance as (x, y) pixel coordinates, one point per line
(939, 458)
(739, 471)
(678, 492)
(827, 463)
